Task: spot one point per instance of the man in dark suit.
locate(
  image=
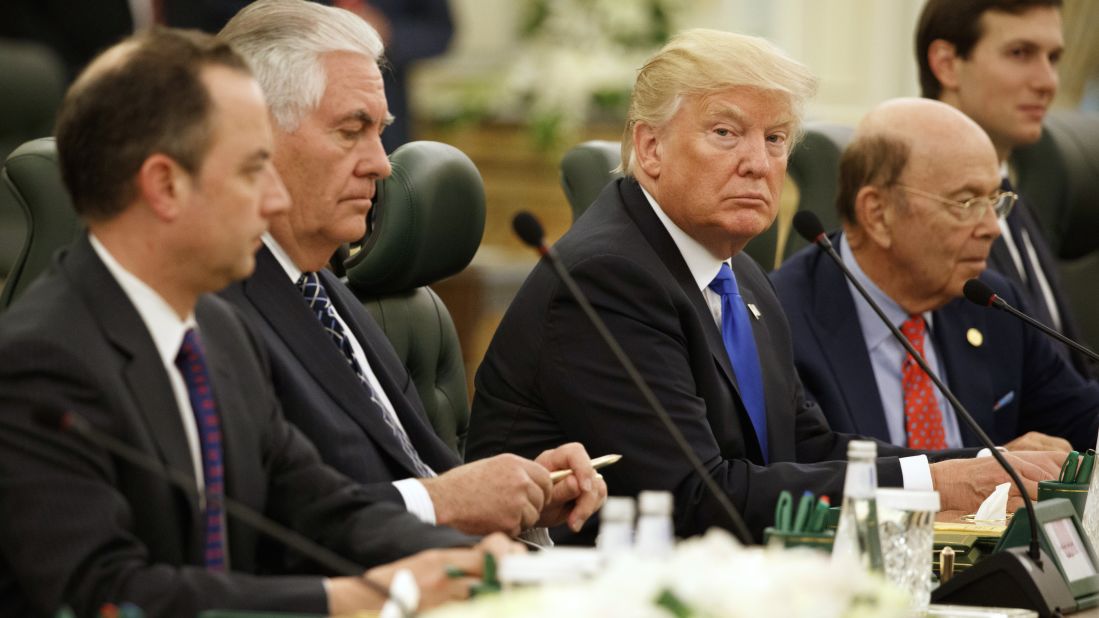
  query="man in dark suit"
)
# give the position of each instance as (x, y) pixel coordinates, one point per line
(354, 399)
(918, 220)
(996, 61)
(165, 147)
(711, 121)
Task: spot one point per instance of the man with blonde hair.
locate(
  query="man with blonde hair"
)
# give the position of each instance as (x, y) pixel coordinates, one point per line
(711, 122)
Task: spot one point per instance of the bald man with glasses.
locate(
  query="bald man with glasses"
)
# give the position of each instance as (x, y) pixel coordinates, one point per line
(920, 199)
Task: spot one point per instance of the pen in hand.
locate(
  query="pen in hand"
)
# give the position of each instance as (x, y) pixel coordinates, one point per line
(597, 463)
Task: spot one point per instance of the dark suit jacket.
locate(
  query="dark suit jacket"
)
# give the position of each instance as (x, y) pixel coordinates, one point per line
(79, 526)
(322, 395)
(548, 378)
(1014, 361)
(999, 259)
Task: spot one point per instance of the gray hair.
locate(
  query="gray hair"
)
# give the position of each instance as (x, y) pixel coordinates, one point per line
(283, 41)
(701, 61)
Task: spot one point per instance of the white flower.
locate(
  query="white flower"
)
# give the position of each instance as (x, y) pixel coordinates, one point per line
(714, 576)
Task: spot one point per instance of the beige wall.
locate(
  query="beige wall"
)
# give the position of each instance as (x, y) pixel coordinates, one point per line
(861, 49)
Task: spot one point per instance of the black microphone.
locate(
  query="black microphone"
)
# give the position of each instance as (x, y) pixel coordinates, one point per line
(978, 292)
(1046, 588)
(530, 232)
(71, 422)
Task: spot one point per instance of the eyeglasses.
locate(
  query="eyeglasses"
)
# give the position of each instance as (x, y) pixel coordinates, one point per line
(974, 208)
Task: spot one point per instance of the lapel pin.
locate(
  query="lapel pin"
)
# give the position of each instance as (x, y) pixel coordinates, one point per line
(754, 310)
(974, 337)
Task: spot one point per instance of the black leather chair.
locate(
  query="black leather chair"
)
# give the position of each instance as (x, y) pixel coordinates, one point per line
(31, 181)
(427, 224)
(1059, 175)
(32, 83)
(585, 169)
(814, 167)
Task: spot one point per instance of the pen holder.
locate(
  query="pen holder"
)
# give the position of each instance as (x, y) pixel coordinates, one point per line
(1076, 493)
(788, 538)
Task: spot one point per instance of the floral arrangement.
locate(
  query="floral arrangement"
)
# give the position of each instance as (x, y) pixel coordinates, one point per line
(708, 576)
(578, 60)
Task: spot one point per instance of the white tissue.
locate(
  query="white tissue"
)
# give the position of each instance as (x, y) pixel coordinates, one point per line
(994, 508)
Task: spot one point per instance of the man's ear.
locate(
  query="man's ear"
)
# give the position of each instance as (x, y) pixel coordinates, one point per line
(161, 184)
(943, 59)
(875, 216)
(647, 149)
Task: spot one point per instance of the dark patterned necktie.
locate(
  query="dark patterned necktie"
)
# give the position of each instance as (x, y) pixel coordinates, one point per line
(325, 312)
(192, 365)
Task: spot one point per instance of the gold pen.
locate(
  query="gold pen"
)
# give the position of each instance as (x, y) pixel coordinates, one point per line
(597, 463)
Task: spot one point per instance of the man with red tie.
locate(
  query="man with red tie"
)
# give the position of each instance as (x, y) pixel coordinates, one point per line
(920, 200)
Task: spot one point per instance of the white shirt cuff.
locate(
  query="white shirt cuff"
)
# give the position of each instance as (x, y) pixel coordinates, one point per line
(916, 473)
(416, 499)
(539, 536)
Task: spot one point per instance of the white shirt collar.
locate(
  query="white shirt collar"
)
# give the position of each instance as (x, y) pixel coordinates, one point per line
(703, 265)
(162, 322)
(282, 257)
(875, 332)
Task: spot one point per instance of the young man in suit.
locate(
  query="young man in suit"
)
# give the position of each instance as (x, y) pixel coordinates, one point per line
(996, 61)
(712, 118)
(166, 149)
(920, 202)
(337, 376)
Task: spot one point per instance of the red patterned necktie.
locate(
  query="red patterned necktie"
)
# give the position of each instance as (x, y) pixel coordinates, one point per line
(923, 419)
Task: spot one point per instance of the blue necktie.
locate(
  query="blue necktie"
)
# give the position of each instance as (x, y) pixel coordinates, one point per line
(317, 298)
(192, 366)
(740, 345)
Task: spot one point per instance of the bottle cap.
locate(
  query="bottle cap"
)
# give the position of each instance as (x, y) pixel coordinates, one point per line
(655, 503)
(862, 449)
(618, 508)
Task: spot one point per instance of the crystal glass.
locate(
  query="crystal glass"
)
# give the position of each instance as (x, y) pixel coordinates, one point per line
(906, 528)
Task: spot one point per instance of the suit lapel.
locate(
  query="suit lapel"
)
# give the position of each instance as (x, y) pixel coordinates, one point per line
(843, 344)
(280, 303)
(142, 368)
(638, 208)
(779, 426)
(958, 357)
(421, 434)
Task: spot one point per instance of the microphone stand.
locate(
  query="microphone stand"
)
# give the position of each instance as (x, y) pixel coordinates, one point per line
(982, 583)
(530, 232)
(72, 422)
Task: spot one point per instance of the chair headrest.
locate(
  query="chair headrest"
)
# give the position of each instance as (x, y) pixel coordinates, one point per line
(31, 180)
(428, 220)
(585, 169)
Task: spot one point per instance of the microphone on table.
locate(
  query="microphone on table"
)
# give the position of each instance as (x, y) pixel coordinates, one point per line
(71, 422)
(1030, 571)
(979, 292)
(530, 232)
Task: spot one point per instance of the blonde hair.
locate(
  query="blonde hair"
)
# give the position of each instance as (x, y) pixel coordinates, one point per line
(700, 61)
